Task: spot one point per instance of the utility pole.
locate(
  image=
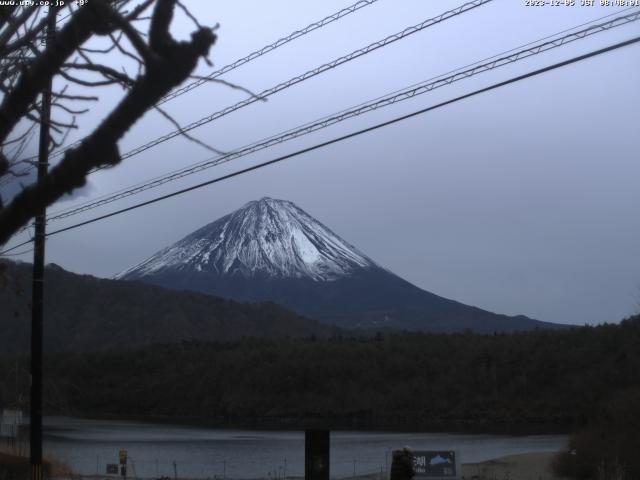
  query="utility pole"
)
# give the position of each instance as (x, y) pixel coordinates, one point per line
(316, 454)
(35, 439)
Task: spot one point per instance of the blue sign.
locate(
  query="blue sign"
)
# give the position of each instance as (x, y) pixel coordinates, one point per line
(434, 464)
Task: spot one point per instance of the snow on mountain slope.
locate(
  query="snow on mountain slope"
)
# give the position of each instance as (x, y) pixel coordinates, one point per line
(268, 237)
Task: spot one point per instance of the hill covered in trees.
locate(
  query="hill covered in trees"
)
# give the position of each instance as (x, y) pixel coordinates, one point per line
(85, 313)
(540, 380)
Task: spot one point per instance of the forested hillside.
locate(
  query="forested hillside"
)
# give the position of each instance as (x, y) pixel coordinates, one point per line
(547, 380)
(85, 313)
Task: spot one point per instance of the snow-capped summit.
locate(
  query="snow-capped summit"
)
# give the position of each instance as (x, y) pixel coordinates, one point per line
(267, 237)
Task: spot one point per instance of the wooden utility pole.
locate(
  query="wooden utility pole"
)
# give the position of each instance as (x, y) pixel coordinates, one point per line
(37, 295)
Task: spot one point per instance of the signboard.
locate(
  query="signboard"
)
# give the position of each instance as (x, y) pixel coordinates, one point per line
(112, 468)
(10, 423)
(435, 464)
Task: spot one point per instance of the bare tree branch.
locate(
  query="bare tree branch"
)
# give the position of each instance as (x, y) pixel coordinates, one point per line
(165, 64)
(87, 20)
(69, 110)
(187, 135)
(14, 25)
(139, 10)
(229, 84)
(106, 71)
(136, 40)
(30, 35)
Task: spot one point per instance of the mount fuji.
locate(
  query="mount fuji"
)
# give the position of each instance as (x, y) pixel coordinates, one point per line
(271, 250)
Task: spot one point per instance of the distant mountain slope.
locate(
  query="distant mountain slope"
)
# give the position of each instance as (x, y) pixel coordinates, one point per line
(272, 250)
(84, 313)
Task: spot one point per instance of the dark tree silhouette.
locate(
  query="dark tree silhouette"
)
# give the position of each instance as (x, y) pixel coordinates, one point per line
(28, 64)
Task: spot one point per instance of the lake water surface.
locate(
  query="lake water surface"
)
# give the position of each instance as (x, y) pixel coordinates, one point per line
(156, 450)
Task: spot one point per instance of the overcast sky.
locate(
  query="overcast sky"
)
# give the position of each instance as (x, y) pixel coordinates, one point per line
(523, 200)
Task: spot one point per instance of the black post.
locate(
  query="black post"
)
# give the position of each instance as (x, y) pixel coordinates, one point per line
(316, 454)
(35, 439)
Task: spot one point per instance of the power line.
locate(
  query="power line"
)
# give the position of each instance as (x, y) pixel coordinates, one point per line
(356, 133)
(301, 78)
(210, 161)
(395, 97)
(17, 254)
(309, 74)
(15, 247)
(344, 137)
(239, 62)
(268, 48)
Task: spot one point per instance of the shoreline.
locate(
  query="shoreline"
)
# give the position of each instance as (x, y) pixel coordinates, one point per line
(402, 424)
(525, 466)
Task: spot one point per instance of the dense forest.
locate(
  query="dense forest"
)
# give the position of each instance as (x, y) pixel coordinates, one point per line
(548, 380)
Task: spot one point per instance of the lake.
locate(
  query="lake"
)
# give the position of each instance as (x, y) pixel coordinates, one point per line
(156, 450)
